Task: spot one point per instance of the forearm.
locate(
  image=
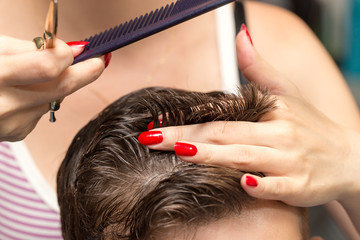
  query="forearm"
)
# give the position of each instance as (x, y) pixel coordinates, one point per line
(342, 219)
(350, 200)
(299, 56)
(352, 209)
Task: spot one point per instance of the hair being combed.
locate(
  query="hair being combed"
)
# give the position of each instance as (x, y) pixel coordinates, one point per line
(112, 187)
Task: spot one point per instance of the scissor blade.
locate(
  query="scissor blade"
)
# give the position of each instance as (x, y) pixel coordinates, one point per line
(51, 24)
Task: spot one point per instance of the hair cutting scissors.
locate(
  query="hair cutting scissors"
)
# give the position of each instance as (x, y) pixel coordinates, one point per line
(48, 41)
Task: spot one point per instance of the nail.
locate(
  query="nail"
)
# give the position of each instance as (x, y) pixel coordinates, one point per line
(151, 124)
(77, 44)
(107, 58)
(150, 138)
(185, 149)
(251, 182)
(243, 27)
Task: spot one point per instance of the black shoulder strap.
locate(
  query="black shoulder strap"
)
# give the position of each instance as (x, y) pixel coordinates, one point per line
(239, 15)
(239, 20)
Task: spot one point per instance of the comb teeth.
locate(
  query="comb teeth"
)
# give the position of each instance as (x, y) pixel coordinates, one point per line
(129, 27)
(146, 25)
(183, 5)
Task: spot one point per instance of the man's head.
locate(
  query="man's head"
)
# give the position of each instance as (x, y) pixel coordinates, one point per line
(112, 187)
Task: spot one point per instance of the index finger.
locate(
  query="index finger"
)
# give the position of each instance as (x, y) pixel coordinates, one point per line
(35, 66)
(218, 132)
(12, 46)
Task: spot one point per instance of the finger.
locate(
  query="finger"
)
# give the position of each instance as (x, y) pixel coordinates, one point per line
(77, 47)
(35, 66)
(218, 132)
(79, 75)
(74, 78)
(256, 70)
(11, 46)
(243, 157)
(271, 188)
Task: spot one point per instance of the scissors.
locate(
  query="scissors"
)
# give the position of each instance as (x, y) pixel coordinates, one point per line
(48, 41)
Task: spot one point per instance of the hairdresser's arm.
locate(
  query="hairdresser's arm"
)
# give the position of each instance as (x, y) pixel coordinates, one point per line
(285, 42)
(30, 79)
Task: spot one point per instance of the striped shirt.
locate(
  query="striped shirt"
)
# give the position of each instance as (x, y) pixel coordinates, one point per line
(25, 212)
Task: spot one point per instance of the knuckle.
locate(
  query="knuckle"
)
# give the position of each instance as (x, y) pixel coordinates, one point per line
(49, 69)
(64, 89)
(177, 134)
(66, 55)
(276, 191)
(242, 157)
(216, 131)
(287, 130)
(62, 51)
(207, 157)
(91, 74)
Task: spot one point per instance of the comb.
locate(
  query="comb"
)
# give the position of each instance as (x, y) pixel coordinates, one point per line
(146, 25)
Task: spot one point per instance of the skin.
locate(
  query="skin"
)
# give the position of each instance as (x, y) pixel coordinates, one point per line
(296, 146)
(158, 56)
(262, 220)
(26, 96)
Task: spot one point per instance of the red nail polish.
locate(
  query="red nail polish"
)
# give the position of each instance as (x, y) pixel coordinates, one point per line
(244, 28)
(185, 149)
(77, 44)
(251, 182)
(151, 124)
(107, 58)
(150, 138)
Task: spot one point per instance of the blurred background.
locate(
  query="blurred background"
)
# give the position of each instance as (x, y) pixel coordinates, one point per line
(337, 24)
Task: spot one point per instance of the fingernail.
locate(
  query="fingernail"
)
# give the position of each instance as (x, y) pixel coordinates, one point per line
(151, 124)
(251, 182)
(150, 138)
(244, 28)
(107, 58)
(77, 44)
(185, 149)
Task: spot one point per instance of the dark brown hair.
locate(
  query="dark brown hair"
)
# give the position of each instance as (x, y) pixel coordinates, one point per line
(111, 187)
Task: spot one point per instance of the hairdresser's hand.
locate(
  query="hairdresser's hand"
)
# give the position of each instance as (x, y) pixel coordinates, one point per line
(30, 79)
(306, 158)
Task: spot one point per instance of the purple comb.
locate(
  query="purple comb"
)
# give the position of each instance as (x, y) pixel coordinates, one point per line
(146, 25)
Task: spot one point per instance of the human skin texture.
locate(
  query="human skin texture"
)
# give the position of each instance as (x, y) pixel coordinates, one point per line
(261, 220)
(307, 158)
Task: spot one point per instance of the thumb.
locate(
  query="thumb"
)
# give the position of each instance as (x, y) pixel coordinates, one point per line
(257, 70)
(77, 47)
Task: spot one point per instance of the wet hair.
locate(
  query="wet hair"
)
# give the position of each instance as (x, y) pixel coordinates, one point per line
(111, 187)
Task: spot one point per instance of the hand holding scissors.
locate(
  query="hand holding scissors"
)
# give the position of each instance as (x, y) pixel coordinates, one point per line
(48, 40)
(32, 75)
